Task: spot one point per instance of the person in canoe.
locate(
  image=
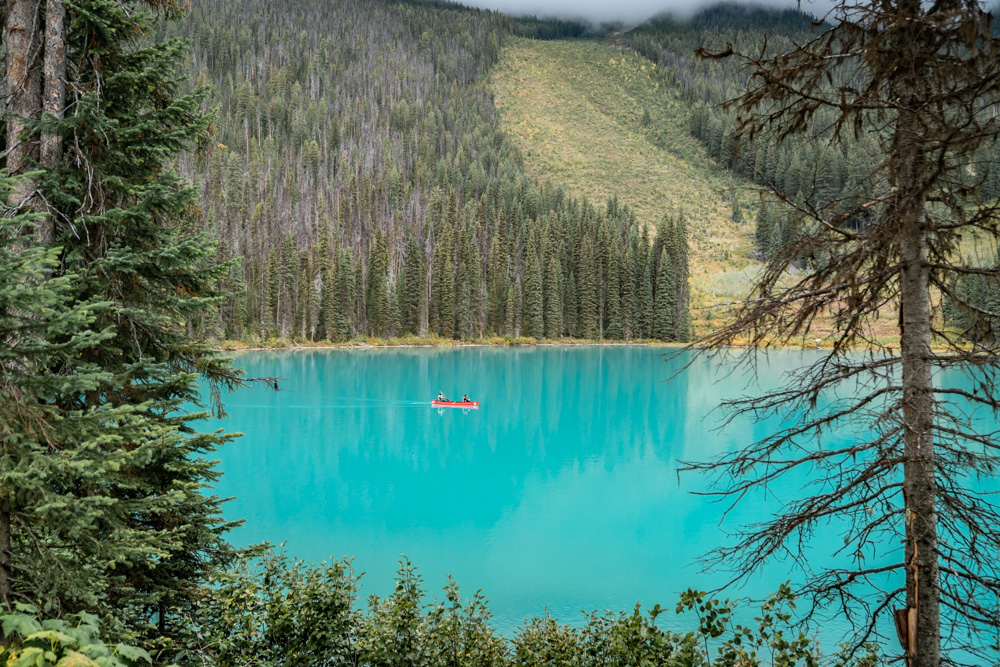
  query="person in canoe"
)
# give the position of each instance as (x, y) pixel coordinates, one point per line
(441, 397)
(465, 399)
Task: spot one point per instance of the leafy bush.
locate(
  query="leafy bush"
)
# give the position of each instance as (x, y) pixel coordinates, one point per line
(401, 631)
(272, 610)
(29, 640)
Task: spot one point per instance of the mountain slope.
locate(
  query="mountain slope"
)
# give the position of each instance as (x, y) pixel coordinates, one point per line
(605, 122)
(361, 179)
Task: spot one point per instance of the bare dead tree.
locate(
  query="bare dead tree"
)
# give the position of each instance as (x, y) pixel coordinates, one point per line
(922, 78)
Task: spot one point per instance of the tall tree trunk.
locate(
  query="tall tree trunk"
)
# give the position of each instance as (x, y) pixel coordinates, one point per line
(54, 94)
(922, 575)
(23, 90)
(6, 555)
(909, 158)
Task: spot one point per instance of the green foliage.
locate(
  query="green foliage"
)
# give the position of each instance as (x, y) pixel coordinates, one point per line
(45, 331)
(533, 316)
(774, 641)
(404, 631)
(271, 610)
(105, 472)
(31, 640)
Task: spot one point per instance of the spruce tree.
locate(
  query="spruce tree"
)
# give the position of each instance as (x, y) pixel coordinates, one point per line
(328, 298)
(45, 328)
(682, 330)
(446, 294)
(393, 316)
(764, 230)
(288, 284)
(238, 320)
(644, 284)
(615, 330)
(272, 294)
(463, 303)
(588, 293)
(665, 302)
(310, 325)
(414, 299)
(534, 324)
(552, 291)
(602, 251)
(117, 211)
(510, 313)
(377, 300)
(628, 293)
(324, 271)
(342, 297)
(571, 306)
(477, 285)
(357, 289)
(442, 249)
(499, 284)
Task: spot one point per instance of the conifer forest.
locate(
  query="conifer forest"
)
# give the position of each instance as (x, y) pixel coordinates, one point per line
(360, 173)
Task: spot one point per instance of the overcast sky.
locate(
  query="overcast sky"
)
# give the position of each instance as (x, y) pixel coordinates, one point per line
(629, 11)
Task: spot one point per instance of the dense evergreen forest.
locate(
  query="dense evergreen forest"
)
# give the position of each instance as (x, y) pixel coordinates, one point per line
(807, 168)
(360, 175)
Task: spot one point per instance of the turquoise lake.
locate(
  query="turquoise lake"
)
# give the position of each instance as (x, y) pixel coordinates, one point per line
(561, 493)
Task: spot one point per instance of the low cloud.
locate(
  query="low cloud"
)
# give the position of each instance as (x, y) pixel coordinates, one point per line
(600, 11)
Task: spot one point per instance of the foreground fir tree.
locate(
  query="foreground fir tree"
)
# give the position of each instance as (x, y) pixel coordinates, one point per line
(922, 82)
(45, 452)
(112, 208)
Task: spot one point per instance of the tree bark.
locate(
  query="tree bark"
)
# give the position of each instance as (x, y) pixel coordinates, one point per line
(23, 92)
(6, 555)
(54, 95)
(909, 156)
(922, 575)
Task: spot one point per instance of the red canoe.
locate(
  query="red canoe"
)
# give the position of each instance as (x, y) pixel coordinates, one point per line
(455, 404)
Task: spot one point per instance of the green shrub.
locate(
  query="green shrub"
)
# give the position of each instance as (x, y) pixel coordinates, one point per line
(271, 610)
(274, 611)
(30, 640)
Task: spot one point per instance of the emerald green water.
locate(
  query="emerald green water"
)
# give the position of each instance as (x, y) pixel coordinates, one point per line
(561, 493)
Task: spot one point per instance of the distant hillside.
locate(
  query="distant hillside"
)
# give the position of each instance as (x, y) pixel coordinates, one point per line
(730, 16)
(608, 123)
(366, 182)
(807, 168)
(362, 179)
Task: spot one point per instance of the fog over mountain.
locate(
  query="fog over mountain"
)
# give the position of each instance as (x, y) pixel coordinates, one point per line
(627, 11)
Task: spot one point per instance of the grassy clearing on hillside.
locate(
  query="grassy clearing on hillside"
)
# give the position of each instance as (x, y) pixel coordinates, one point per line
(600, 121)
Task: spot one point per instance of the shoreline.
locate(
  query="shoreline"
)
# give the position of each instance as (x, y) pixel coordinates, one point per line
(284, 346)
(287, 346)
(362, 345)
